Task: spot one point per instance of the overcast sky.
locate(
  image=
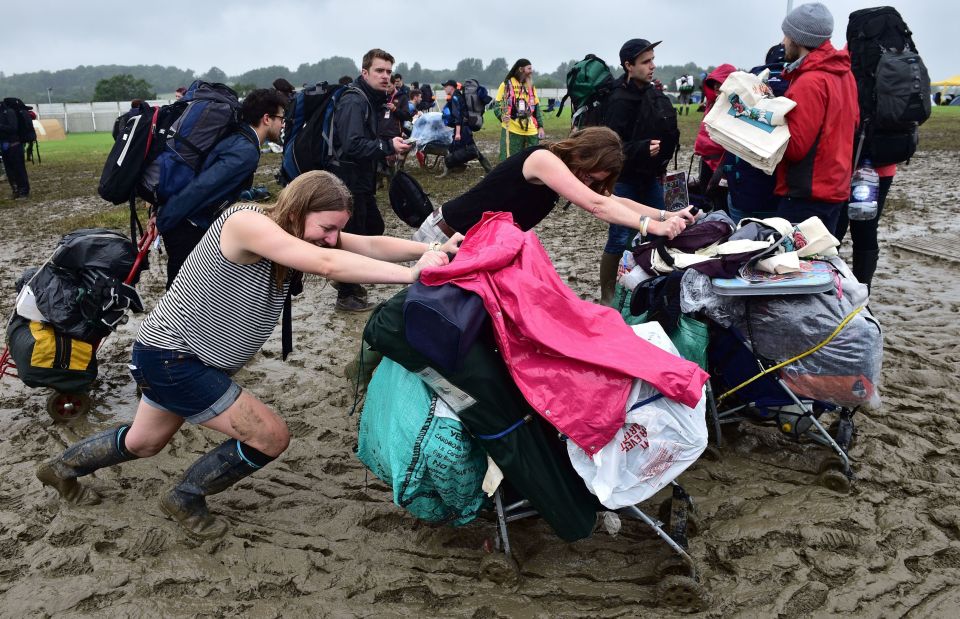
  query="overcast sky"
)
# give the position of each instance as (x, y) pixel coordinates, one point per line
(238, 35)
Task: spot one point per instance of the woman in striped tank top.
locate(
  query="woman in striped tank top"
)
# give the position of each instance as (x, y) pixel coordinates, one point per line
(217, 314)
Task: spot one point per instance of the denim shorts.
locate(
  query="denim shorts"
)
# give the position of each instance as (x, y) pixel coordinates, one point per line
(179, 383)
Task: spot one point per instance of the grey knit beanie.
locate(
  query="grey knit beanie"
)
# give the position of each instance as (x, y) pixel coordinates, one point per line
(809, 25)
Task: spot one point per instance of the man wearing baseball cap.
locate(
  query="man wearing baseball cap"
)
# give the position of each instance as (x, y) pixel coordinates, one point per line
(646, 122)
(813, 178)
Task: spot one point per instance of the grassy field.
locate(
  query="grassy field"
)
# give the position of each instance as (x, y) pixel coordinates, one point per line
(70, 168)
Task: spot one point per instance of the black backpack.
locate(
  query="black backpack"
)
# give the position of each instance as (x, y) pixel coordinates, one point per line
(892, 83)
(427, 98)
(133, 142)
(16, 123)
(408, 200)
(8, 123)
(80, 290)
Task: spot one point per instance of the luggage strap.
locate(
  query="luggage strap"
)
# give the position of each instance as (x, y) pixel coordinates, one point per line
(492, 437)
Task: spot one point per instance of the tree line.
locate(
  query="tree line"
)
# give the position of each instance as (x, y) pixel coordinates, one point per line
(118, 82)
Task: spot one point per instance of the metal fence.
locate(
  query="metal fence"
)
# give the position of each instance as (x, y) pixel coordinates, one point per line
(87, 117)
(100, 115)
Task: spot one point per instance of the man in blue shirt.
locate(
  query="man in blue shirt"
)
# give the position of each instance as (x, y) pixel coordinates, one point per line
(227, 170)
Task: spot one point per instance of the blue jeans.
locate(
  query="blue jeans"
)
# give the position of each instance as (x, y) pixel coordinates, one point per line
(797, 210)
(650, 194)
(180, 383)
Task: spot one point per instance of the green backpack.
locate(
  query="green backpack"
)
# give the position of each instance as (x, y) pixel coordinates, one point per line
(589, 83)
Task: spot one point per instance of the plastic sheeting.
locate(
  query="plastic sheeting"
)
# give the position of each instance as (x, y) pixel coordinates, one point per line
(660, 439)
(698, 295)
(429, 128)
(846, 370)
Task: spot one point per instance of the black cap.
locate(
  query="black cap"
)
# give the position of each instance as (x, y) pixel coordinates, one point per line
(634, 47)
(450, 83)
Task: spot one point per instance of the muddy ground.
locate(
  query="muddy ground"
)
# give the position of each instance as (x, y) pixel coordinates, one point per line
(314, 534)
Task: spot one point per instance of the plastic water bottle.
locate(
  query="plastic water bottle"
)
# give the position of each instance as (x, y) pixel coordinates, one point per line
(864, 187)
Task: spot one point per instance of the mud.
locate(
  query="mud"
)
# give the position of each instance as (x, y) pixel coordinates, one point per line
(314, 534)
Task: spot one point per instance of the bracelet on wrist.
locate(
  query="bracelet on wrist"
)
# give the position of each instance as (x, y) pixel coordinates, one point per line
(663, 215)
(435, 246)
(644, 222)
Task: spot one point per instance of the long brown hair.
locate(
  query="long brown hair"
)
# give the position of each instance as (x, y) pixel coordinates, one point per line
(593, 149)
(311, 192)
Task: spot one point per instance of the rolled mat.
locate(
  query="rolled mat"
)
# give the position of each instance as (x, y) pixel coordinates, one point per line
(532, 457)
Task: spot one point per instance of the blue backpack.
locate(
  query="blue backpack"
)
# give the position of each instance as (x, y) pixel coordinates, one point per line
(206, 114)
(308, 130)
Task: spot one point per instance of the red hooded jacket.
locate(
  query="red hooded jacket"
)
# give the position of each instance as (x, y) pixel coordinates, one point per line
(573, 360)
(818, 163)
(710, 151)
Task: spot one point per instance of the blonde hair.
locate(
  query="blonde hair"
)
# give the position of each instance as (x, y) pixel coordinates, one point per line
(593, 149)
(311, 192)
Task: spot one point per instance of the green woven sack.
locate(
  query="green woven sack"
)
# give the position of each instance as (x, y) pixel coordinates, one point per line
(690, 337)
(433, 465)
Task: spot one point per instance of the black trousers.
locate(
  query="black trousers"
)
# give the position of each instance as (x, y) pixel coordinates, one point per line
(366, 218)
(367, 221)
(16, 169)
(179, 242)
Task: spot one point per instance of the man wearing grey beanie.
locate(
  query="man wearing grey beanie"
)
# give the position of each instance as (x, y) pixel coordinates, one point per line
(813, 179)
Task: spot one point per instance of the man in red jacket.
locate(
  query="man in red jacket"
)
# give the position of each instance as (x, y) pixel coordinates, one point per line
(814, 176)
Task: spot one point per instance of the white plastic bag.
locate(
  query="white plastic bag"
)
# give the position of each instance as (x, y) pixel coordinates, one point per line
(659, 440)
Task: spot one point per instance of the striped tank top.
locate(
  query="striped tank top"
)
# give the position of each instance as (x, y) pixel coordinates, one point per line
(218, 310)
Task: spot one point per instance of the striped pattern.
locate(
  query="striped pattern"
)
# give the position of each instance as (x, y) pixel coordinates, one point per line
(217, 310)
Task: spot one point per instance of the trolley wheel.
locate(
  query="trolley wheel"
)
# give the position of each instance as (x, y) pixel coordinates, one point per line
(835, 480)
(674, 565)
(500, 568)
(67, 406)
(683, 593)
(693, 518)
(831, 475)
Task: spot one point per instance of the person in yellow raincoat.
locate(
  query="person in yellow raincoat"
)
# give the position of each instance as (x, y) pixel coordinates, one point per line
(518, 108)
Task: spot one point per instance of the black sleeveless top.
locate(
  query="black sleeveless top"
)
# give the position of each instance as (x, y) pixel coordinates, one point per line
(504, 189)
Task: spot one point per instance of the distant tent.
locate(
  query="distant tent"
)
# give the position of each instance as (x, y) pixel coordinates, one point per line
(951, 81)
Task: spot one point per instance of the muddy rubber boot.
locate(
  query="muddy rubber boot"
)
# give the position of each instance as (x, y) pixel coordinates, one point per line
(82, 458)
(864, 265)
(608, 277)
(214, 472)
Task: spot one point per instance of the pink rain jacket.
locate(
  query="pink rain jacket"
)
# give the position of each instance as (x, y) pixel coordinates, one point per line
(573, 360)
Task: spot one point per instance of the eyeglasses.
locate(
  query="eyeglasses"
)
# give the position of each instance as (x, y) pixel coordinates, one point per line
(280, 116)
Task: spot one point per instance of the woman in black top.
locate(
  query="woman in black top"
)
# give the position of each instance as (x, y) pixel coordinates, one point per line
(582, 169)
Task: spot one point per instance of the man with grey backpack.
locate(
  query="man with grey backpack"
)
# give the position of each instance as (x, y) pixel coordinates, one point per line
(183, 218)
